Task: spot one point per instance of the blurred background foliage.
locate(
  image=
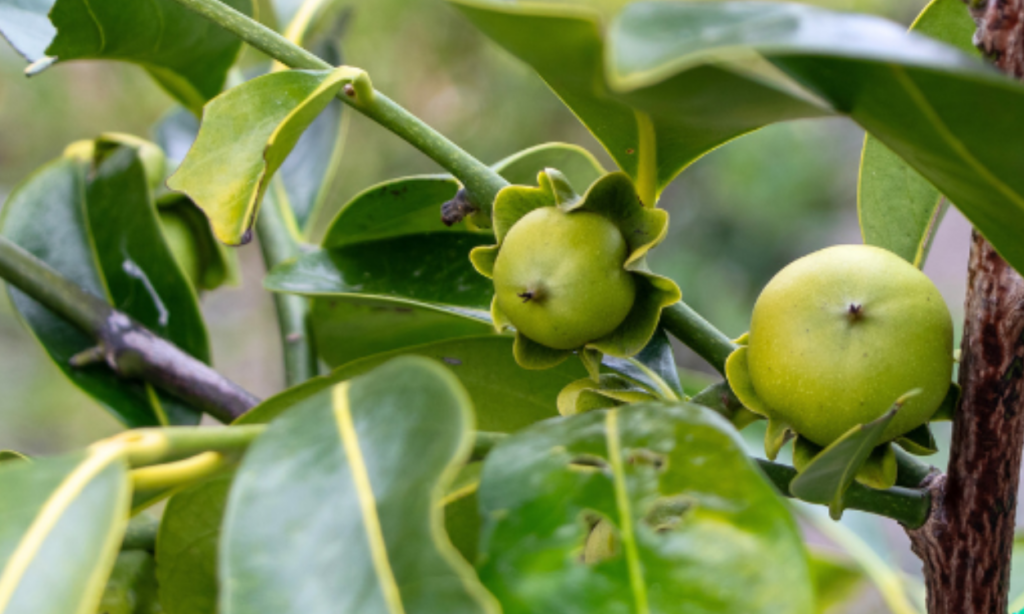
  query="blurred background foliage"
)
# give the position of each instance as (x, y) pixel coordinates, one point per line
(738, 215)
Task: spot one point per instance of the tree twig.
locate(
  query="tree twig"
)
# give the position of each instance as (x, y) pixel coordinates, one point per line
(130, 349)
(279, 244)
(698, 334)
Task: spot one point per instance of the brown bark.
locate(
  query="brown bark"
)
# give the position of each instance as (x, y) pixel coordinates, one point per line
(967, 543)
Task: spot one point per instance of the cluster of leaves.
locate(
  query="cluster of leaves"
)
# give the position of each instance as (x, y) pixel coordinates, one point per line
(366, 492)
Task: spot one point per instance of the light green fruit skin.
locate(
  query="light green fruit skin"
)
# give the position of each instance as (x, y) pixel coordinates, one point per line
(575, 260)
(823, 372)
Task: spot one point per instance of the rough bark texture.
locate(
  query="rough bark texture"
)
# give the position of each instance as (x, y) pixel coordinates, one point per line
(967, 542)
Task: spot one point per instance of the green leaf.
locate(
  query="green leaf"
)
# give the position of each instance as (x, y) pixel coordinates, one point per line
(307, 174)
(132, 587)
(351, 328)
(187, 547)
(835, 580)
(565, 45)
(936, 107)
(61, 522)
(25, 25)
(206, 261)
(245, 136)
(505, 396)
(898, 209)
(137, 266)
(654, 367)
(104, 234)
(11, 455)
(462, 519)
(186, 53)
(360, 468)
(576, 164)
(673, 483)
(412, 205)
(827, 476)
(384, 295)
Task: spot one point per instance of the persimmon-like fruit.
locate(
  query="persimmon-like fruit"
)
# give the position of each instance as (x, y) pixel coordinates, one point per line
(559, 277)
(839, 335)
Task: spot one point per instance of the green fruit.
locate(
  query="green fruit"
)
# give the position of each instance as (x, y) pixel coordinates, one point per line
(559, 277)
(839, 335)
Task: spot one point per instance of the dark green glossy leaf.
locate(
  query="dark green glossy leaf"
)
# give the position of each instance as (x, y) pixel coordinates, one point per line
(334, 509)
(565, 44)
(933, 105)
(383, 295)
(132, 587)
(657, 365)
(61, 522)
(187, 547)
(25, 25)
(898, 209)
(505, 396)
(186, 53)
(673, 484)
(137, 266)
(412, 205)
(306, 175)
(350, 328)
(49, 215)
(245, 136)
(827, 476)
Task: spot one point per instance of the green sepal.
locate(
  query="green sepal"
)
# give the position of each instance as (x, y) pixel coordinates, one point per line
(829, 474)
(743, 417)
(776, 436)
(592, 362)
(614, 196)
(879, 470)
(532, 355)
(949, 404)
(804, 451)
(501, 321)
(919, 442)
(565, 196)
(737, 372)
(653, 293)
(515, 201)
(611, 391)
(483, 259)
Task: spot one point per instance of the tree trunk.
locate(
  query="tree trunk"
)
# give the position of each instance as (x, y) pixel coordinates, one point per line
(967, 543)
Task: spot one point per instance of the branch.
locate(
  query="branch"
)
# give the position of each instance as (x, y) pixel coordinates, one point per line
(698, 334)
(130, 349)
(278, 244)
(481, 182)
(967, 544)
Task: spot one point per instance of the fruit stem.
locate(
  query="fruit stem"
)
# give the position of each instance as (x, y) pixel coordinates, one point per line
(698, 334)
